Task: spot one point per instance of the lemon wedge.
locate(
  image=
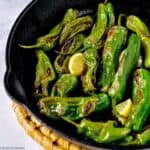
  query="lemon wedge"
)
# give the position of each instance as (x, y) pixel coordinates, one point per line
(76, 64)
(122, 120)
(124, 108)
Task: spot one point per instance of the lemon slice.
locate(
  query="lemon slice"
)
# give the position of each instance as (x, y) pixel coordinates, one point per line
(76, 64)
(122, 120)
(124, 108)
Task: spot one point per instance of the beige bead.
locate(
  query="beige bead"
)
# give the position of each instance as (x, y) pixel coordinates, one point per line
(55, 147)
(54, 137)
(38, 136)
(30, 129)
(47, 143)
(38, 123)
(20, 111)
(74, 147)
(45, 131)
(63, 143)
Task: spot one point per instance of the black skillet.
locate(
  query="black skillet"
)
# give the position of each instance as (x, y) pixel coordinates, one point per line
(37, 18)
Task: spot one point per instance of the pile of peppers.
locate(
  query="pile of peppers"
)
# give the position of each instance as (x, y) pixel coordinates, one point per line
(111, 75)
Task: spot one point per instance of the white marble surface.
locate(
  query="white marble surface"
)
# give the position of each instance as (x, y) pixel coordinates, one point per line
(11, 134)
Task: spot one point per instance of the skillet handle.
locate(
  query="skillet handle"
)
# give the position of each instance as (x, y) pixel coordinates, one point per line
(14, 88)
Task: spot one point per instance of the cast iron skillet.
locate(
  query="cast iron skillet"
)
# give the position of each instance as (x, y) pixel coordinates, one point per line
(37, 18)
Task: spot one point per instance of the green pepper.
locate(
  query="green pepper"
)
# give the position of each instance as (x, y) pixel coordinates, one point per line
(111, 16)
(141, 96)
(70, 47)
(116, 39)
(141, 138)
(64, 85)
(137, 25)
(44, 74)
(128, 60)
(74, 27)
(98, 30)
(146, 45)
(88, 77)
(48, 41)
(73, 107)
(101, 132)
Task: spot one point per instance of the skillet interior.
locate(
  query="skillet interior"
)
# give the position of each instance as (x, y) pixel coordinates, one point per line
(36, 20)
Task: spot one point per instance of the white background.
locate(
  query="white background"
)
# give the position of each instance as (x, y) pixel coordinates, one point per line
(11, 134)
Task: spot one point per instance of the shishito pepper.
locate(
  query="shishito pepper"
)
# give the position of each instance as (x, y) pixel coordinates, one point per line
(116, 39)
(146, 45)
(141, 100)
(128, 60)
(88, 76)
(48, 41)
(99, 28)
(44, 74)
(74, 27)
(73, 107)
(143, 137)
(138, 139)
(135, 24)
(64, 85)
(70, 47)
(101, 132)
(110, 15)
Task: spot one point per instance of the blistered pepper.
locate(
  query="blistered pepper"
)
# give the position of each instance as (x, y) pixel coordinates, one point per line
(110, 15)
(73, 107)
(143, 137)
(101, 132)
(44, 74)
(138, 139)
(116, 39)
(128, 60)
(98, 30)
(146, 45)
(137, 25)
(88, 76)
(48, 41)
(141, 100)
(74, 27)
(65, 84)
(70, 47)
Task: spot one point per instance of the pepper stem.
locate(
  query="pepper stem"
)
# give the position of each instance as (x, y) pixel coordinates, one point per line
(120, 18)
(71, 122)
(105, 1)
(29, 46)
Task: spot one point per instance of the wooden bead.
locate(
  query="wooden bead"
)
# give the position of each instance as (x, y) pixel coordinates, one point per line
(38, 136)
(74, 147)
(63, 143)
(38, 123)
(47, 143)
(45, 131)
(20, 111)
(55, 147)
(54, 137)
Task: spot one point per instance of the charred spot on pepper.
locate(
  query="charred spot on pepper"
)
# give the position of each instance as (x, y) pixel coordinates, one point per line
(38, 91)
(49, 39)
(48, 72)
(67, 45)
(138, 96)
(88, 108)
